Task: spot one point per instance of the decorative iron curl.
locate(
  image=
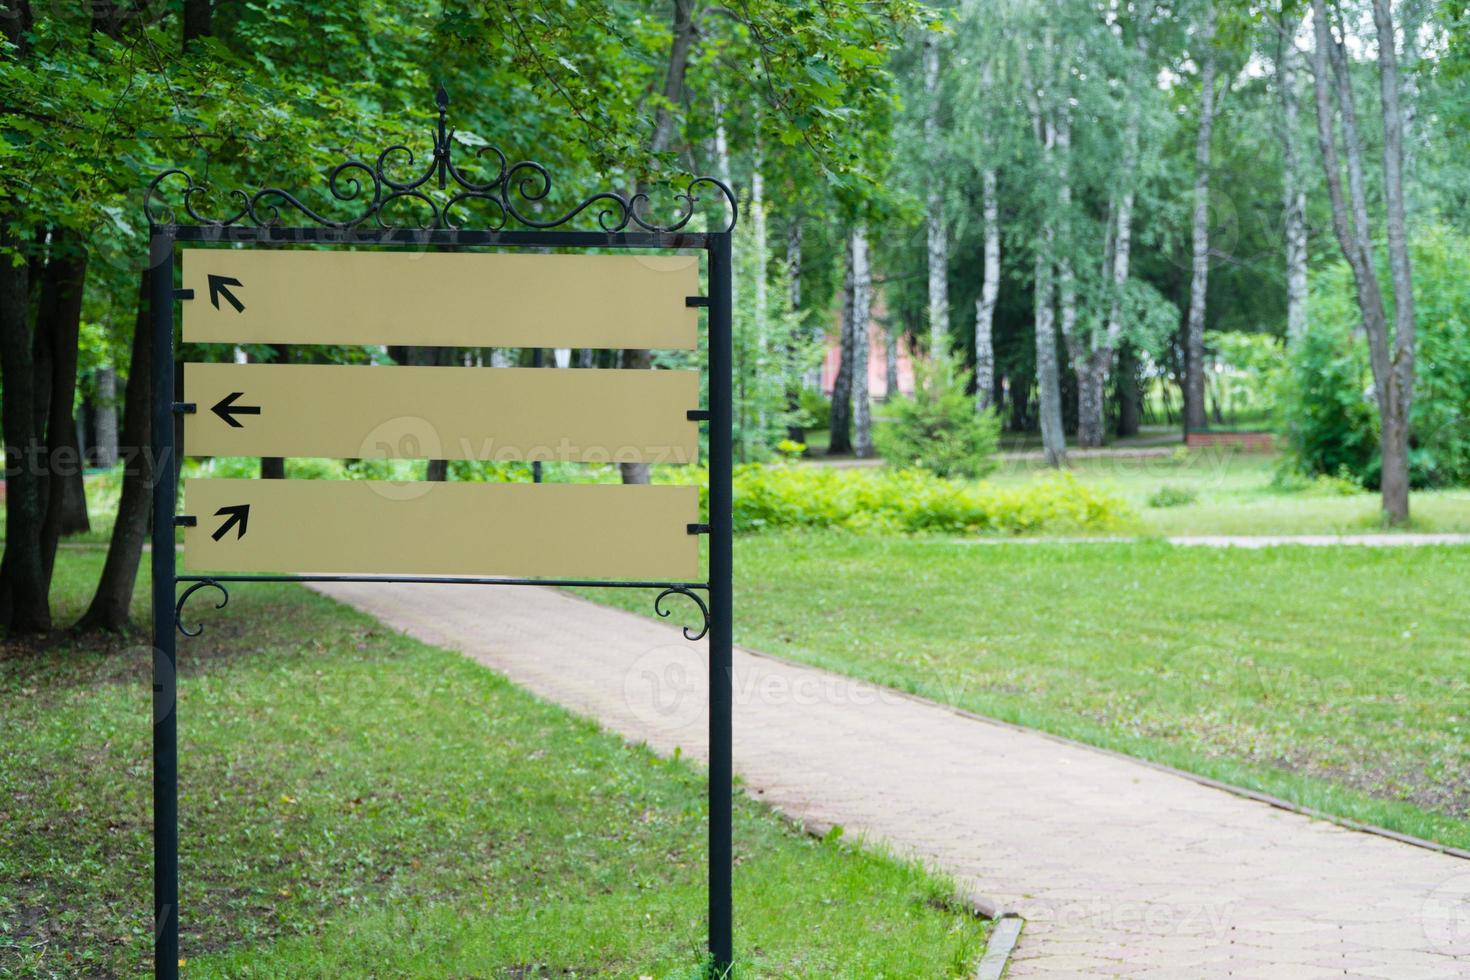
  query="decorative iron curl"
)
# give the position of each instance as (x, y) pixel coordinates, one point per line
(512, 195)
(179, 606)
(681, 590)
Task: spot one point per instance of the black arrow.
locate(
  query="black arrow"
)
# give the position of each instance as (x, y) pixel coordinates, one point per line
(238, 515)
(226, 409)
(217, 289)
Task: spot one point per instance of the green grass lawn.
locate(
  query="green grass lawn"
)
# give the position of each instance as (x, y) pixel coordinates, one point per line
(1335, 677)
(1235, 493)
(357, 803)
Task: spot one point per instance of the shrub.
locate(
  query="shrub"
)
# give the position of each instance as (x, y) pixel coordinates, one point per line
(938, 429)
(916, 501)
(1329, 412)
(1319, 485)
(1167, 496)
(815, 409)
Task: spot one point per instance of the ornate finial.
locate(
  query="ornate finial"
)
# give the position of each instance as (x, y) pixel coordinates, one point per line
(511, 195)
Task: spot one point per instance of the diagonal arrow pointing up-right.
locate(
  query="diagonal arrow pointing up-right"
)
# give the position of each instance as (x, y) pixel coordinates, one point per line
(238, 515)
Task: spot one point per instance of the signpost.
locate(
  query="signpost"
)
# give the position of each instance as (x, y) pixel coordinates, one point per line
(361, 281)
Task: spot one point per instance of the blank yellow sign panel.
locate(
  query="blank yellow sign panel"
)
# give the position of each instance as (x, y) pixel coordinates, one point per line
(493, 529)
(496, 414)
(440, 299)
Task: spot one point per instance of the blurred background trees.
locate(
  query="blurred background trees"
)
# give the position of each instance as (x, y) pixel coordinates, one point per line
(1082, 221)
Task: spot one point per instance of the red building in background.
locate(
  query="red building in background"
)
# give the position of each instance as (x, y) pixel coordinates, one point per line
(877, 363)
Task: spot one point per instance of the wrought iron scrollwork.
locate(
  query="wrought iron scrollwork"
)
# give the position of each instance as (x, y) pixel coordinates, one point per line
(179, 606)
(511, 196)
(681, 590)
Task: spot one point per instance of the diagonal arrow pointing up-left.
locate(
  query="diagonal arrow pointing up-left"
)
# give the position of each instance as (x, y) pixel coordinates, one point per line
(238, 515)
(219, 286)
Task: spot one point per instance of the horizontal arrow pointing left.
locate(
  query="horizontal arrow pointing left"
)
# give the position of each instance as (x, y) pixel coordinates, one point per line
(226, 409)
(236, 516)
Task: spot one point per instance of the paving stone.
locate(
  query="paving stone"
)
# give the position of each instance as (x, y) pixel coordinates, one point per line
(1123, 870)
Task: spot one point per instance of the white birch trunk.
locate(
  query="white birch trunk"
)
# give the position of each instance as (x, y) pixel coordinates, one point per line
(1294, 194)
(105, 452)
(989, 292)
(938, 238)
(760, 322)
(1048, 380)
(1194, 339)
(1395, 423)
(1335, 105)
(862, 284)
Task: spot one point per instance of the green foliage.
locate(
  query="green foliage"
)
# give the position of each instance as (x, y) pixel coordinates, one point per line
(1318, 485)
(1247, 372)
(886, 500)
(938, 429)
(816, 409)
(1329, 412)
(1169, 496)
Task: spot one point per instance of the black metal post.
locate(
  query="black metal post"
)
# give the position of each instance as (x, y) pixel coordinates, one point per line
(165, 674)
(536, 466)
(720, 601)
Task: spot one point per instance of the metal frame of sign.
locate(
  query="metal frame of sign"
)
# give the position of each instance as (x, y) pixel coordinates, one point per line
(514, 197)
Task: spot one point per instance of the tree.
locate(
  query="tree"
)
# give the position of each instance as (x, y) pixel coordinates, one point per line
(1293, 190)
(938, 234)
(1194, 328)
(1391, 350)
(1045, 98)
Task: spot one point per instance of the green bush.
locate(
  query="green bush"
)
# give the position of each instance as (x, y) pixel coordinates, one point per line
(1167, 496)
(938, 429)
(915, 501)
(1329, 413)
(815, 409)
(1319, 485)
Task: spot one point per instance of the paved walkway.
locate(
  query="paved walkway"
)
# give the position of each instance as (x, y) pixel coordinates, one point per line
(1119, 869)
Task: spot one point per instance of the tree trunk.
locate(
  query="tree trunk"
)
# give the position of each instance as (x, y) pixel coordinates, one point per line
(862, 283)
(104, 450)
(989, 292)
(795, 431)
(1091, 382)
(1078, 348)
(1048, 381)
(934, 210)
(23, 601)
(1194, 330)
(74, 519)
(1395, 484)
(840, 434)
(1350, 223)
(890, 365)
(990, 282)
(109, 609)
(61, 306)
(1128, 394)
(681, 41)
(760, 322)
(1294, 194)
(198, 19)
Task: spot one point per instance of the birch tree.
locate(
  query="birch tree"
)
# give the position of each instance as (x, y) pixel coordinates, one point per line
(1293, 186)
(938, 234)
(862, 316)
(1390, 343)
(1194, 328)
(1040, 95)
